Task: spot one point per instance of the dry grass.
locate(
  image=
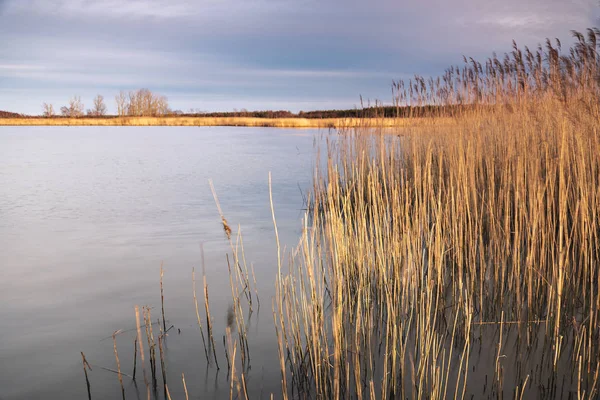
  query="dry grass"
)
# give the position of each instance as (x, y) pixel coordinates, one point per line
(456, 261)
(339, 123)
(421, 251)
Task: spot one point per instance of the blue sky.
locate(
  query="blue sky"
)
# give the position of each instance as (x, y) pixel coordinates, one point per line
(255, 54)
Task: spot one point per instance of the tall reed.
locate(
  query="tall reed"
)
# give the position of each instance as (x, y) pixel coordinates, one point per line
(422, 246)
(441, 260)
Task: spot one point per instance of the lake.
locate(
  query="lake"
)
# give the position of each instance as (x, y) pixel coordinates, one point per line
(87, 216)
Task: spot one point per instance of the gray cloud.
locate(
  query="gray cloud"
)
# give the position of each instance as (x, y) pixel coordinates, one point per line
(216, 54)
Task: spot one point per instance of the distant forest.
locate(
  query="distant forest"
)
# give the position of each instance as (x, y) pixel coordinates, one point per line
(6, 114)
(369, 112)
(145, 103)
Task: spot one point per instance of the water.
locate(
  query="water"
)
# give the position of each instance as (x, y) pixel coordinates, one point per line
(87, 215)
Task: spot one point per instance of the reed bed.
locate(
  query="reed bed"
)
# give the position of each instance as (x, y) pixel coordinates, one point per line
(449, 259)
(216, 121)
(459, 262)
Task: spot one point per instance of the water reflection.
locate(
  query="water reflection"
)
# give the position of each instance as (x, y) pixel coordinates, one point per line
(89, 214)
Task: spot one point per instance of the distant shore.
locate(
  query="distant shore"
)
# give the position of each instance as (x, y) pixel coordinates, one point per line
(217, 121)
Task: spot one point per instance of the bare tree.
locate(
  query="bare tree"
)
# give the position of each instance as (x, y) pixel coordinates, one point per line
(99, 107)
(75, 108)
(161, 106)
(48, 110)
(133, 104)
(143, 102)
(121, 100)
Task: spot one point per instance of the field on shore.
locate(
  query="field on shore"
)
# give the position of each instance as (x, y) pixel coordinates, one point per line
(221, 121)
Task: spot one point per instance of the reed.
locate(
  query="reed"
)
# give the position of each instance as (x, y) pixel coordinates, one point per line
(208, 321)
(86, 366)
(184, 386)
(239, 281)
(162, 298)
(151, 344)
(418, 246)
(114, 337)
(141, 346)
(197, 309)
(456, 258)
(134, 357)
(163, 365)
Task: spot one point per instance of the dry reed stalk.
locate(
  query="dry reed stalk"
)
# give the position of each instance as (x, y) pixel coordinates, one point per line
(244, 387)
(196, 304)
(255, 286)
(151, 344)
(141, 346)
(275, 228)
(281, 337)
(163, 365)
(207, 309)
(114, 337)
(238, 278)
(242, 277)
(184, 386)
(231, 347)
(134, 357)
(226, 354)
(208, 322)
(232, 371)
(235, 313)
(87, 380)
(226, 227)
(114, 371)
(162, 298)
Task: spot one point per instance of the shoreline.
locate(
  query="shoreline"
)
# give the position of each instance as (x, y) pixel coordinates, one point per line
(222, 121)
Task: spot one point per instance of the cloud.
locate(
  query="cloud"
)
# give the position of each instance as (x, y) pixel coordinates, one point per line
(532, 19)
(140, 9)
(106, 8)
(19, 67)
(266, 50)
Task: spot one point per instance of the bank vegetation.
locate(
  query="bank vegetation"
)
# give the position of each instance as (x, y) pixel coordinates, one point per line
(338, 123)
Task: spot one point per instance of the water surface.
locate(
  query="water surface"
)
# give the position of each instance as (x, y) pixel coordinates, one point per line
(87, 216)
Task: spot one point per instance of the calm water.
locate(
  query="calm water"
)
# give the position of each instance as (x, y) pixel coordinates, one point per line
(87, 215)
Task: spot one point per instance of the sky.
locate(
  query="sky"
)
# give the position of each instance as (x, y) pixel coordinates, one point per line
(221, 55)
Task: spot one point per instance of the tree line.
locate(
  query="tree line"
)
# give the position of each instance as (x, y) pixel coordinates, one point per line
(144, 103)
(139, 103)
(378, 111)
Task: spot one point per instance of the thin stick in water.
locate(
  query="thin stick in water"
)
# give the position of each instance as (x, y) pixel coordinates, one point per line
(197, 311)
(207, 308)
(114, 336)
(184, 386)
(140, 343)
(162, 297)
(87, 380)
(134, 356)
(162, 363)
